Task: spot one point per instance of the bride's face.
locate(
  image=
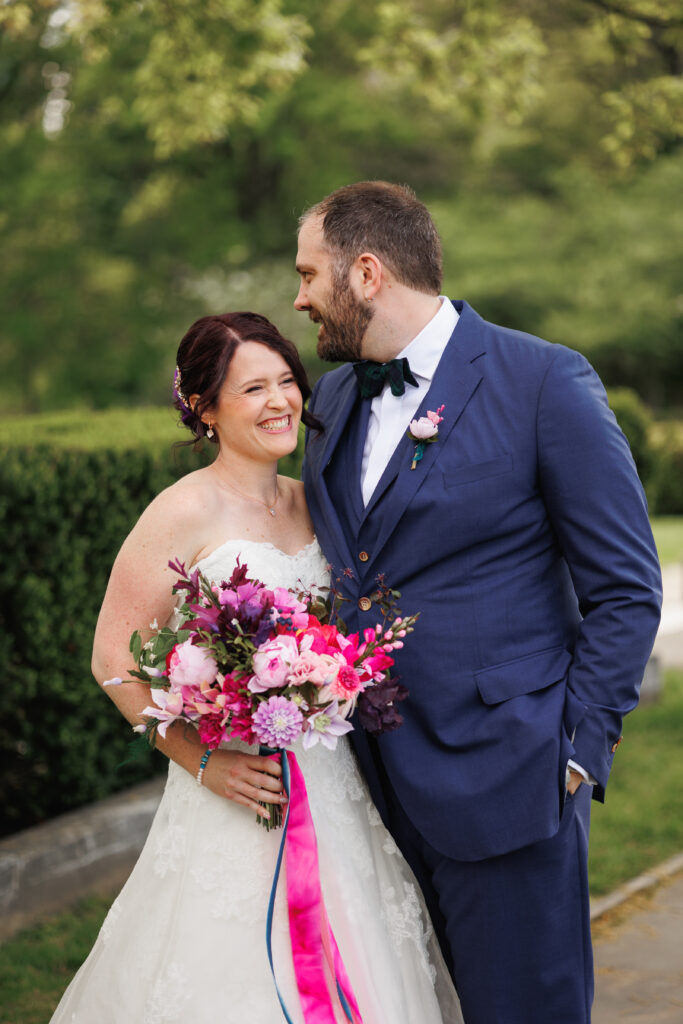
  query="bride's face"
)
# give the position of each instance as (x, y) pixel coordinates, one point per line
(259, 405)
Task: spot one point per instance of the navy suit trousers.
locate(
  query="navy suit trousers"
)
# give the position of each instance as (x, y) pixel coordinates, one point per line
(514, 929)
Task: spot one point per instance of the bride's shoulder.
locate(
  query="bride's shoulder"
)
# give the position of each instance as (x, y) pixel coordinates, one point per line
(186, 502)
(195, 491)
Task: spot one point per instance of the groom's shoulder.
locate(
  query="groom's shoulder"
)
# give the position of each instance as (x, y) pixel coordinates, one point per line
(520, 348)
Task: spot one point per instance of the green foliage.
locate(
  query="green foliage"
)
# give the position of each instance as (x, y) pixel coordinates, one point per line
(667, 482)
(66, 504)
(596, 267)
(668, 534)
(635, 419)
(148, 150)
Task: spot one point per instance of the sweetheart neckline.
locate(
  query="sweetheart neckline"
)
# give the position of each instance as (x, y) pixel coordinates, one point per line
(255, 543)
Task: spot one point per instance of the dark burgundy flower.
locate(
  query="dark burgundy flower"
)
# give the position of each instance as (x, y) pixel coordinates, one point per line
(377, 706)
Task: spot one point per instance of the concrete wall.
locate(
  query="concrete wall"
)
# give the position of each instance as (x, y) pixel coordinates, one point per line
(48, 868)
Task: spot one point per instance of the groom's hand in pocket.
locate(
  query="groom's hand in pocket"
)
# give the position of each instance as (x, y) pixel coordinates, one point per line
(573, 782)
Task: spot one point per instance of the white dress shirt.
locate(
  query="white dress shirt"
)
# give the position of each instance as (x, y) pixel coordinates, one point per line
(390, 415)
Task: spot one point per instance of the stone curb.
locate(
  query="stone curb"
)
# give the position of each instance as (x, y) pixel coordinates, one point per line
(648, 880)
(48, 868)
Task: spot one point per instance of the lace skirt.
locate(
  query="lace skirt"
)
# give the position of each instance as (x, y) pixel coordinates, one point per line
(185, 939)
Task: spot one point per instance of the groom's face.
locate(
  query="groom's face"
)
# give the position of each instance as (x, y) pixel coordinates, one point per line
(326, 294)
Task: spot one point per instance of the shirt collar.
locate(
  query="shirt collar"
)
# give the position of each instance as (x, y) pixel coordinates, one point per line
(426, 348)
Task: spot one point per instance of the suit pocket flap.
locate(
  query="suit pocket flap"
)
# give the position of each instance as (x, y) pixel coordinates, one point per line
(522, 675)
(471, 471)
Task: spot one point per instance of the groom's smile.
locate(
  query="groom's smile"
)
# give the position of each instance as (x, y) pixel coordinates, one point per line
(326, 294)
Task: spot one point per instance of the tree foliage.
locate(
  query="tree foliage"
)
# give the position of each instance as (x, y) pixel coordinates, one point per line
(152, 149)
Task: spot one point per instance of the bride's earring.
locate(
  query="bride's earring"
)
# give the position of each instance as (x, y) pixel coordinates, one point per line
(209, 432)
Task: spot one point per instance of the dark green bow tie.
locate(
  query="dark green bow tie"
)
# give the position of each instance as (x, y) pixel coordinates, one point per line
(373, 376)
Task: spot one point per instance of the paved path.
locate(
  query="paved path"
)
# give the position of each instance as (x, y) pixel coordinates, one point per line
(639, 960)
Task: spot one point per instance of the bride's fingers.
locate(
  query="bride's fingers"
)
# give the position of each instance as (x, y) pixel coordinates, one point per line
(255, 798)
(266, 764)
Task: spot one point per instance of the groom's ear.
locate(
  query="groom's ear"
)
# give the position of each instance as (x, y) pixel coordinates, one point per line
(370, 272)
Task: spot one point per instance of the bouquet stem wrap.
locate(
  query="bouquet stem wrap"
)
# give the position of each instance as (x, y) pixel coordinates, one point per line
(314, 950)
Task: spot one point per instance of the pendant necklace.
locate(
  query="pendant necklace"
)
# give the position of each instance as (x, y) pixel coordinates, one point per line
(248, 497)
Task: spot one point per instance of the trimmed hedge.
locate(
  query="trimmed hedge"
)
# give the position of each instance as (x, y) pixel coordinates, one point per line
(72, 484)
(71, 488)
(635, 419)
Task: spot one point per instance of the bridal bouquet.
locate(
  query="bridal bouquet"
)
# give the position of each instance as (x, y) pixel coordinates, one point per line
(268, 666)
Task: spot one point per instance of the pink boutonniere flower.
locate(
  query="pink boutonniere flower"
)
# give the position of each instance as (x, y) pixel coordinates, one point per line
(424, 431)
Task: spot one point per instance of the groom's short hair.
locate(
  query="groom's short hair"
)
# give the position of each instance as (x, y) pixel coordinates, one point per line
(387, 220)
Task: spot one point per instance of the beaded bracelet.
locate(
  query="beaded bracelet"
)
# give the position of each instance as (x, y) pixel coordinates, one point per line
(202, 764)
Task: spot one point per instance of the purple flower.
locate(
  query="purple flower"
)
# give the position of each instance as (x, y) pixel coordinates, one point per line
(277, 722)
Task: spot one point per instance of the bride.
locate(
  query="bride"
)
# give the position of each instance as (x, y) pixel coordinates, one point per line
(185, 939)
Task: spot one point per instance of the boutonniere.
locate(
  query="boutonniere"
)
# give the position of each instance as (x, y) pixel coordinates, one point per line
(424, 431)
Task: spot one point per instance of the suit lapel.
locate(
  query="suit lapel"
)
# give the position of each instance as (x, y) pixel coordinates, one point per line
(336, 416)
(455, 381)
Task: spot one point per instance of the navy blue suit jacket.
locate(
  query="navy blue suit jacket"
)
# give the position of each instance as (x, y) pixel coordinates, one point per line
(522, 538)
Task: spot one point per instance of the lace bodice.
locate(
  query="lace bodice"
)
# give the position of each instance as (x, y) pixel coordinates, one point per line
(268, 563)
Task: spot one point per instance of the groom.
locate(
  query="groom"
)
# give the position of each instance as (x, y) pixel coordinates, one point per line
(522, 538)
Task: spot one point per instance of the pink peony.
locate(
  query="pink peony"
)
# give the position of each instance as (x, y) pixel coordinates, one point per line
(424, 428)
(272, 663)
(190, 665)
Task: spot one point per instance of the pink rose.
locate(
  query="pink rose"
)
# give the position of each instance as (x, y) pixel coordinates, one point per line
(310, 667)
(424, 428)
(190, 665)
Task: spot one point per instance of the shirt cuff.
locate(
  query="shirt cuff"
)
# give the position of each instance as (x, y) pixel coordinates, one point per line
(586, 776)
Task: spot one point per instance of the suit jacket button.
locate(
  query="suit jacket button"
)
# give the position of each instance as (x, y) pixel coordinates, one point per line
(365, 604)
(363, 556)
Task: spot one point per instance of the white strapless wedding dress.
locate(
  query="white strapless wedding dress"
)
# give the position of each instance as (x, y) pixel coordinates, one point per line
(185, 939)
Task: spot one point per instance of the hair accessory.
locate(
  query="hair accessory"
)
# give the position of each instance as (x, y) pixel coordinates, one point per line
(177, 389)
(202, 764)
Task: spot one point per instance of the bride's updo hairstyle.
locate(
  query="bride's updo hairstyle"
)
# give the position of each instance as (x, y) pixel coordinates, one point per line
(204, 357)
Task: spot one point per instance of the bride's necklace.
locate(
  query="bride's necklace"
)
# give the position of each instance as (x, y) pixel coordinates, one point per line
(248, 497)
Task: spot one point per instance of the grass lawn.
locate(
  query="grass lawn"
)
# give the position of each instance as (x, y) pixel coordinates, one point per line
(641, 822)
(38, 964)
(668, 532)
(640, 825)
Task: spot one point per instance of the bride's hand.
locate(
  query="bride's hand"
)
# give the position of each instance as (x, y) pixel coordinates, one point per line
(245, 778)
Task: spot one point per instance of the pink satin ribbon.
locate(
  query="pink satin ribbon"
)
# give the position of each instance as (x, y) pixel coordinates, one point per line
(317, 961)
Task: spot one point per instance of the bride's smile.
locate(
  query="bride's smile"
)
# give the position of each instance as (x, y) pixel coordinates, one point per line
(258, 409)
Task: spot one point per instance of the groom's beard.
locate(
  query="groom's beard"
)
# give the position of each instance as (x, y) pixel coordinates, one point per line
(343, 326)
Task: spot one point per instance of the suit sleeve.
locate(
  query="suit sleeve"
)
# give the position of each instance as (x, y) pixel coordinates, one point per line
(598, 510)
